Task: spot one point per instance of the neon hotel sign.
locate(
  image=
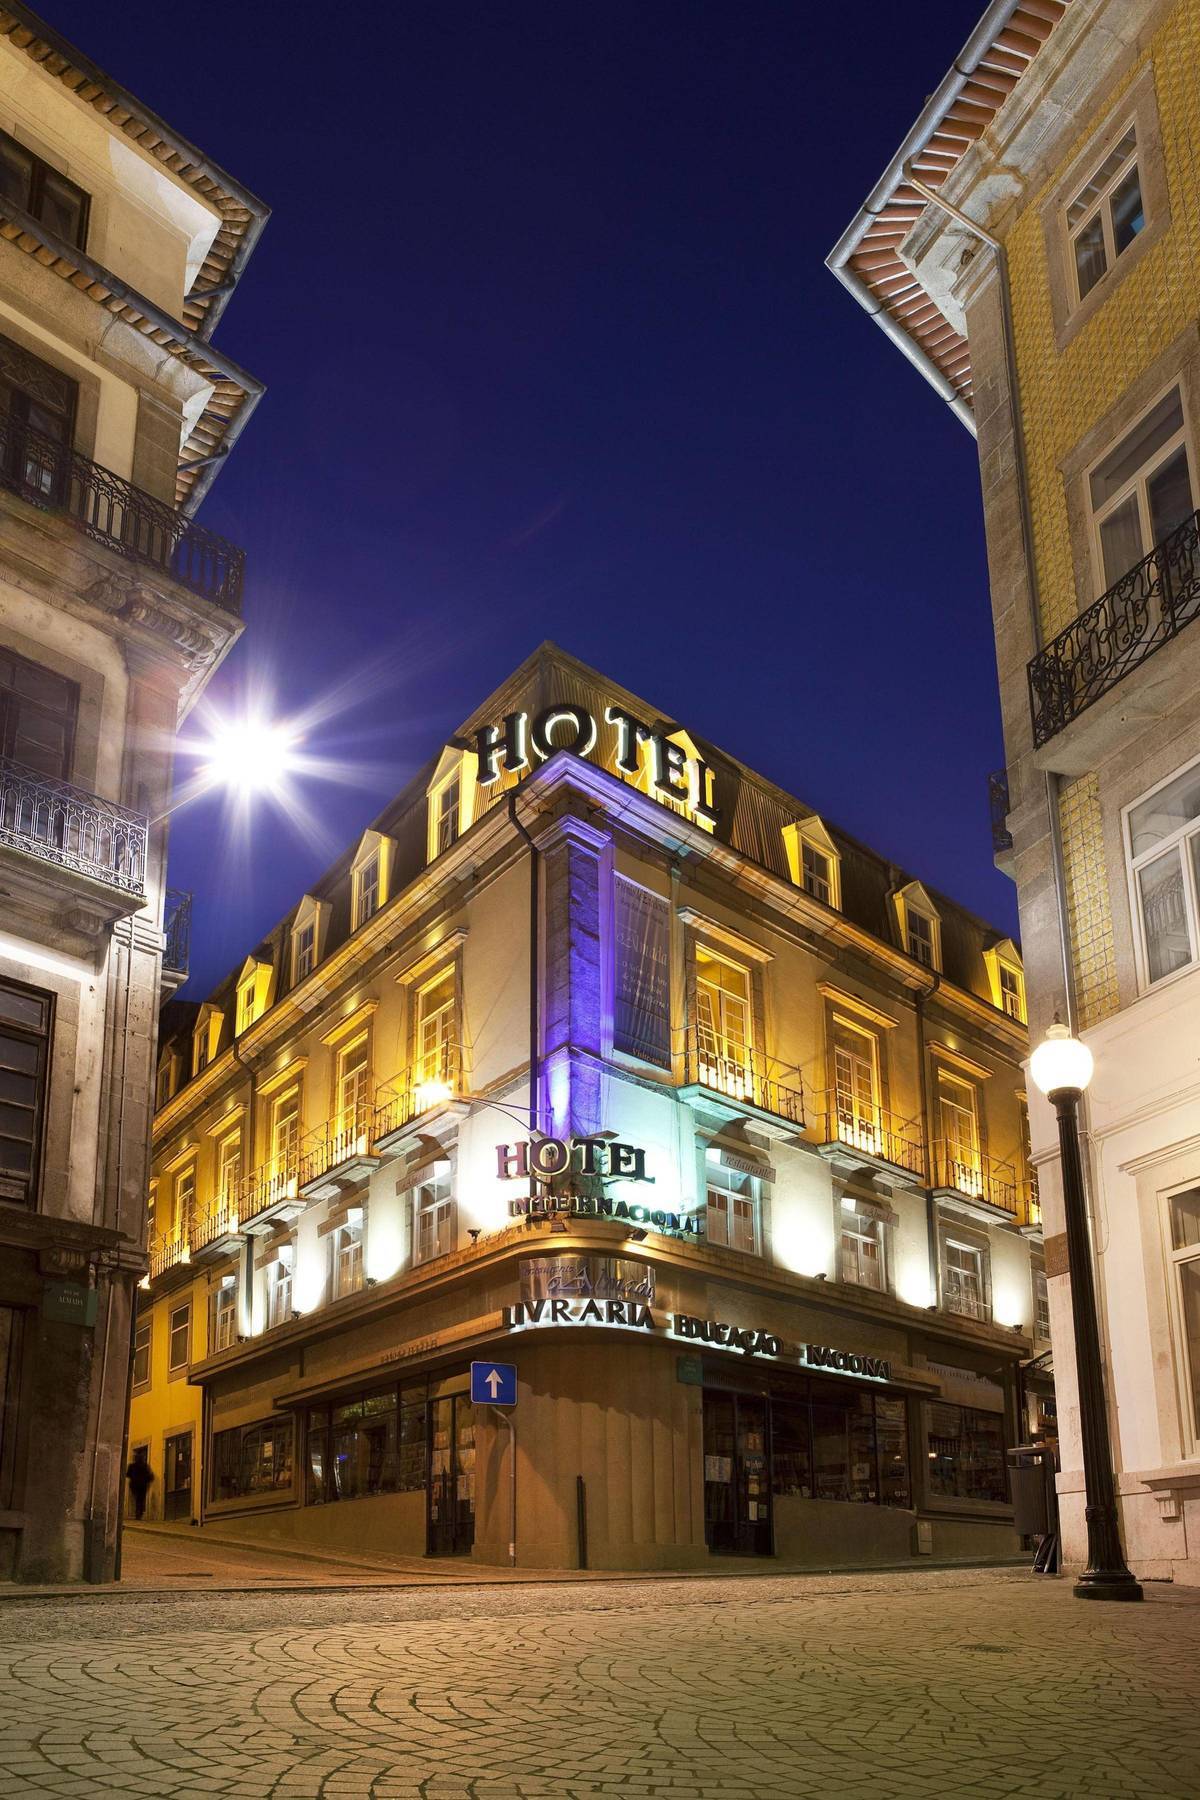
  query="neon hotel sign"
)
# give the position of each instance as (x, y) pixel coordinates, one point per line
(673, 775)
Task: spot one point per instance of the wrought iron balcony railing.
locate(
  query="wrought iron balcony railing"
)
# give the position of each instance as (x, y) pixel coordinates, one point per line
(341, 1139)
(975, 1176)
(167, 1248)
(1031, 1206)
(220, 1221)
(878, 1134)
(71, 828)
(743, 1075)
(177, 929)
(401, 1102)
(1137, 616)
(274, 1183)
(998, 805)
(966, 1304)
(58, 479)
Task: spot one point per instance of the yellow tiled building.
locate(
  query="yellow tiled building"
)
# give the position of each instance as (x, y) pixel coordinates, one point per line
(1035, 246)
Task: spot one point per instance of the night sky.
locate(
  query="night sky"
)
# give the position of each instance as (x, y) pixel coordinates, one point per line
(551, 351)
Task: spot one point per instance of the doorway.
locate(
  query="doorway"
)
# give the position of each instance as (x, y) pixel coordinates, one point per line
(451, 1491)
(737, 1474)
(177, 1476)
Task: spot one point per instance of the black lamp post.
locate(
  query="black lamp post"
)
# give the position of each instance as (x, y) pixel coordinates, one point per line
(1062, 1068)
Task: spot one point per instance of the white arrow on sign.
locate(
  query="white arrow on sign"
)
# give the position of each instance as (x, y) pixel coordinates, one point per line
(494, 1380)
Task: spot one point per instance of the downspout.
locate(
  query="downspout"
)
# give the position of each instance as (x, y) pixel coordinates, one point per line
(535, 1070)
(247, 1255)
(1035, 618)
(926, 1123)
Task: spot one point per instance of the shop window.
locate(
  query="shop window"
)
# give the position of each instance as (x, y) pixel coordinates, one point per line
(222, 1315)
(33, 186)
(723, 1034)
(1106, 214)
(1141, 491)
(840, 1443)
(279, 1288)
(1164, 862)
(370, 1444)
(436, 1039)
(731, 1219)
(251, 1459)
(642, 998)
(966, 1453)
(1184, 1252)
(346, 1256)
(964, 1280)
(435, 1222)
(863, 1250)
(25, 1025)
(179, 1338)
(143, 1340)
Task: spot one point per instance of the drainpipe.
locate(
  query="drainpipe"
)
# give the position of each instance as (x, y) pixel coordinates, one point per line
(246, 1302)
(535, 1071)
(926, 1123)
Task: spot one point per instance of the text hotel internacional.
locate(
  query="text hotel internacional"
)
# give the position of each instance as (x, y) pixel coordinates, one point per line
(766, 1254)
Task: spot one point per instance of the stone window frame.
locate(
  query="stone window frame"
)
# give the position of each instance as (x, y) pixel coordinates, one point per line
(1138, 106)
(883, 1215)
(1133, 867)
(178, 1371)
(144, 1324)
(951, 1226)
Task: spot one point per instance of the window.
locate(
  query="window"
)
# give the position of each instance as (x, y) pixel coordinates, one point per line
(352, 1084)
(642, 999)
(446, 801)
(436, 1038)
(37, 712)
(37, 425)
(863, 1255)
(142, 1342)
(346, 1256)
(723, 1025)
(966, 1453)
(1141, 491)
(732, 1214)
(166, 1081)
(304, 951)
(918, 937)
(840, 1443)
(279, 1288)
(229, 1170)
(371, 1443)
(960, 1164)
(285, 1131)
(814, 860)
(1012, 991)
(179, 1339)
(920, 925)
(963, 1281)
(435, 1225)
(856, 1085)
(251, 1459)
(1041, 1306)
(1184, 1253)
(245, 1007)
(183, 1201)
(41, 191)
(815, 872)
(222, 1324)
(1106, 215)
(366, 890)
(25, 1021)
(1164, 849)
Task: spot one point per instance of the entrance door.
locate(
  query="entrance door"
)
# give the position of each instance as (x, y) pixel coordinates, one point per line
(451, 1495)
(737, 1474)
(177, 1476)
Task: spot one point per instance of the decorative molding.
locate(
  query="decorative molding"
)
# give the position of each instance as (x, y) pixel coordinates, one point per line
(724, 934)
(865, 1010)
(345, 1027)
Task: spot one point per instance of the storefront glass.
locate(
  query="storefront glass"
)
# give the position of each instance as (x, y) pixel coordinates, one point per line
(251, 1459)
(966, 1453)
(373, 1443)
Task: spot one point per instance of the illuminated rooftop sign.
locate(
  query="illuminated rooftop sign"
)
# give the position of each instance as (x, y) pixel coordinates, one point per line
(670, 773)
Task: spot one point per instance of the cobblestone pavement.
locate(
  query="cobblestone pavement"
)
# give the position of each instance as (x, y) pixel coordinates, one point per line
(943, 1683)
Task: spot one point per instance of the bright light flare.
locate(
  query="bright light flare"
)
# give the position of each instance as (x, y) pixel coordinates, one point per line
(248, 756)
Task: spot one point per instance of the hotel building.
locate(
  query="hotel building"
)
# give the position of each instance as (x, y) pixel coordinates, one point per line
(119, 245)
(1033, 249)
(602, 1056)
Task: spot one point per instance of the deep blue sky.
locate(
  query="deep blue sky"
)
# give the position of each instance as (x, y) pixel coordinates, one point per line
(551, 351)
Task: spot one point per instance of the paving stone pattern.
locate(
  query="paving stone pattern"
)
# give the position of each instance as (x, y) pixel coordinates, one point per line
(983, 1683)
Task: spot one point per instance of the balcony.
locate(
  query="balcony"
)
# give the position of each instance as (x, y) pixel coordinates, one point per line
(1146, 609)
(739, 1081)
(113, 512)
(999, 805)
(337, 1155)
(411, 1103)
(68, 837)
(177, 929)
(1030, 1207)
(272, 1191)
(168, 1249)
(217, 1231)
(980, 1185)
(877, 1141)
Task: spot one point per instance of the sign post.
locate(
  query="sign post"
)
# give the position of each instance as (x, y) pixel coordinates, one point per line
(495, 1384)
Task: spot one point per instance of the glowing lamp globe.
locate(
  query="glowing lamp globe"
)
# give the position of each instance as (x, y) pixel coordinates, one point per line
(248, 755)
(1061, 1063)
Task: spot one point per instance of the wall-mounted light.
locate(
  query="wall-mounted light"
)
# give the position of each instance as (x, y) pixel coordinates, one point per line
(474, 1232)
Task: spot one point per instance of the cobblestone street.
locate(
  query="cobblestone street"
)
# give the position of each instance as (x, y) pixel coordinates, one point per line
(943, 1683)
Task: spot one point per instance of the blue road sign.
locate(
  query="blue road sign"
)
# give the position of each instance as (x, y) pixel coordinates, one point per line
(494, 1384)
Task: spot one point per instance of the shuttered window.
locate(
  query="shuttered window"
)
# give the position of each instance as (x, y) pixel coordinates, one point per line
(642, 1002)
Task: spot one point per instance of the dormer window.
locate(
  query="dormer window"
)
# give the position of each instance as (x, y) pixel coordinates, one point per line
(446, 821)
(919, 938)
(1012, 992)
(1007, 978)
(814, 861)
(166, 1079)
(245, 1007)
(304, 951)
(252, 987)
(370, 878)
(206, 1037)
(41, 191)
(920, 925)
(452, 801)
(366, 891)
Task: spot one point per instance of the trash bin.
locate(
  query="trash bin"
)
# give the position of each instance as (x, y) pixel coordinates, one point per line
(1035, 1509)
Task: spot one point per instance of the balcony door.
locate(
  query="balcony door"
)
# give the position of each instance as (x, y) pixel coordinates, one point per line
(723, 1025)
(1142, 490)
(960, 1135)
(856, 1086)
(177, 1476)
(435, 1035)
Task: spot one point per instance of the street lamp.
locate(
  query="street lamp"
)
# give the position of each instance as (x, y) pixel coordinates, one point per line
(1062, 1067)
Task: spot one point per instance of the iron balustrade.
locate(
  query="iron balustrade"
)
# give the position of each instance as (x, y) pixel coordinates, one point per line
(56, 478)
(273, 1183)
(177, 930)
(1118, 633)
(220, 1221)
(345, 1136)
(975, 1176)
(72, 829)
(1031, 1206)
(875, 1133)
(743, 1075)
(998, 807)
(962, 1301)
(401, 1102)
(167, 1248)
